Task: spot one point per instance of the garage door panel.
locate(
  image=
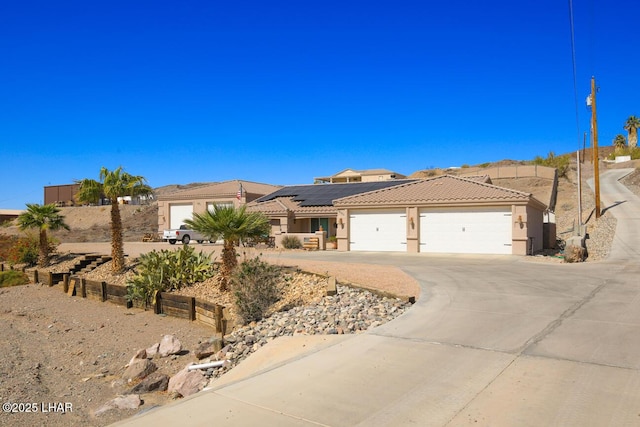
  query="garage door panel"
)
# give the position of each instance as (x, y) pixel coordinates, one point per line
(484, 231)
(379, 230)
(178, 213)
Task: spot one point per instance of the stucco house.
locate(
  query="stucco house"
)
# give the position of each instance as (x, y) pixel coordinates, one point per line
(175, 207)
(445, 214)
(353, 175)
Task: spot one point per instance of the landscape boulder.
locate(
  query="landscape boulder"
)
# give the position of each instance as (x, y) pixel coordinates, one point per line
(153, 350)
(169, 345)
(139, 369)
(575, 249)
(154, 382)
(131, 401)
(208, 348)
(185, 383)
(140, 354)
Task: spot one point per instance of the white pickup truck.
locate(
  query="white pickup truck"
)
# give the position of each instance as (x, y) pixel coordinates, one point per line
(182, 234)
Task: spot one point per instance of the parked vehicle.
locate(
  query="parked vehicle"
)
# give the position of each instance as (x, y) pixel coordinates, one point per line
(182, 234)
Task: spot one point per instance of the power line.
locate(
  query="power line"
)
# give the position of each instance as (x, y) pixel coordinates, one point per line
(575, 74)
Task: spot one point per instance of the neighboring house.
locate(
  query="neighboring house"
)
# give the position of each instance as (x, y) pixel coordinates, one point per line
(175, 207)
(65, 195)
(445, 214)
(352, 175)
(61, 195)
(9, 214)
(307, 208)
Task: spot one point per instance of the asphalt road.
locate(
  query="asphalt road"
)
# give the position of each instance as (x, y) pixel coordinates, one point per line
(493, 341)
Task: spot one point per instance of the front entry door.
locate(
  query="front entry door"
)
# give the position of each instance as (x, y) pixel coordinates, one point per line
(316, 223)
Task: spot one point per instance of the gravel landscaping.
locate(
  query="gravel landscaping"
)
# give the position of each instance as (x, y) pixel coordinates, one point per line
(75, 352)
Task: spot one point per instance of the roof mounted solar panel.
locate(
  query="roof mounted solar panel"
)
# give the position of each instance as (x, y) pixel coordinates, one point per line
(325, 194)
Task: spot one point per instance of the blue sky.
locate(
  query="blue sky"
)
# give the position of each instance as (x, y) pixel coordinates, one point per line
(284, 91)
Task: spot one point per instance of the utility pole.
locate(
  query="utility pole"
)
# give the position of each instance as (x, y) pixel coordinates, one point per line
(579, 192)
(594, 132)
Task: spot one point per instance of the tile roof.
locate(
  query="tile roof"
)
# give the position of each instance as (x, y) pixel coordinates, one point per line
(282, 205)
(271, 207)
(221, 189)
(443, 189)
(350, 171)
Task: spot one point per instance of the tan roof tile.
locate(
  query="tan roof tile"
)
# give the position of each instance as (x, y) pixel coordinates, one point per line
(437, 190)
(281, 205)
(271, 207)
(221, 189)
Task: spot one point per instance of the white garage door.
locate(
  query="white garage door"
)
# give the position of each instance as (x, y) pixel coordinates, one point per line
(379, 230)
(471, 231)
(178, 213)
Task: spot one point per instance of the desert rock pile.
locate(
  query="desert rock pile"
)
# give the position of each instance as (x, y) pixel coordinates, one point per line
(350, 311)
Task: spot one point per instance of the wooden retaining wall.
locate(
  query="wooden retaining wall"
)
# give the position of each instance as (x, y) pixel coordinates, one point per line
(212, 314)
(94, 290)
(176, 305)
(116, 294)
(167, 303)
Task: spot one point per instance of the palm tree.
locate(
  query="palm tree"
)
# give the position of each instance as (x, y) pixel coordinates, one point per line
(113, 184)
(619, 142)
(42, 217)
(631, 125)
(232, 225)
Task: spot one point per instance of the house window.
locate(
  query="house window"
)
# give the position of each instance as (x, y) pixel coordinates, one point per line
(210, 205)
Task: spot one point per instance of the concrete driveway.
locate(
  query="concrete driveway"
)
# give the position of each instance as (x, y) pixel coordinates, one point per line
(493, 341)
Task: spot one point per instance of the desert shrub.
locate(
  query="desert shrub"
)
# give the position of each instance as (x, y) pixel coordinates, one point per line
(561, 163)
(12, 278)
(24, 250)
(167, 270)
(255, 287)
(6, 243)
(634, 152)
(291, 242)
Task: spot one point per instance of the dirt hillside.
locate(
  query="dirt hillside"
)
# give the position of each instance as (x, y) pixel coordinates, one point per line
(92, 223)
